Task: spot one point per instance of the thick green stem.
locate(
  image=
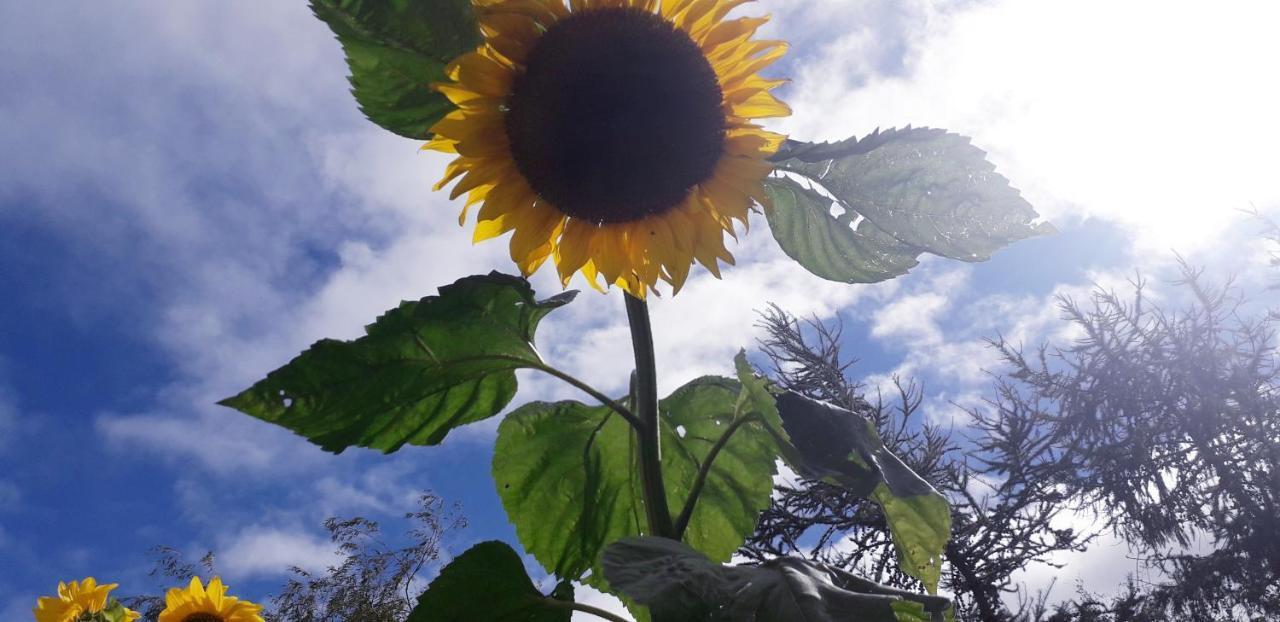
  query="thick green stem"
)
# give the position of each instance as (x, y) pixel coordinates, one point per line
(646, 410)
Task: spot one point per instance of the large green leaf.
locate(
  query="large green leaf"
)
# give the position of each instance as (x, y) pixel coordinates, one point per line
(843, 448)
(488, 583)
(568, 477)
(423, 369)
(679, 584)
(901, 193)
(396, 49)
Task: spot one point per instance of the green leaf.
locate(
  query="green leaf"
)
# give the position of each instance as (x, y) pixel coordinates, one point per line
(568, 476)
(423, 369)
(755, 396)
(698, 417)
(488, 583)
(679, 584)
(832, 247)
(396, 49)
(843, 448)
(909, 191)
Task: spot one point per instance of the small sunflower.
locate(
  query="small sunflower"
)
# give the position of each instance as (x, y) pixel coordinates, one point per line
(614, 136)
(198, 604)
(75, 599)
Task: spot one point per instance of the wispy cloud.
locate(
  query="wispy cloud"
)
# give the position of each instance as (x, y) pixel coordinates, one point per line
(271, 551)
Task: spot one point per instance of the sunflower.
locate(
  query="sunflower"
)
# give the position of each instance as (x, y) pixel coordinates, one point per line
(198, 604)
(75, 599)
(614, 136)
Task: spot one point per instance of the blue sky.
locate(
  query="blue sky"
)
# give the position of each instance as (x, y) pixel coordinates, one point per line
(189, 198)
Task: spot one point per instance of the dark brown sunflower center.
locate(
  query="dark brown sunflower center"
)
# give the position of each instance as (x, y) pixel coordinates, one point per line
(616, 116)
(203, 617)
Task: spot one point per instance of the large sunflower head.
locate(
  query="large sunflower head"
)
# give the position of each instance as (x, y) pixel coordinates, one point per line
(615, 137)
(75, 599)
(197, 603)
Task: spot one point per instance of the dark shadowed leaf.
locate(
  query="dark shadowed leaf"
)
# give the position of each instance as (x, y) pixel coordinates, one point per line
(396, 49)
(679, 584)
(908, 192)
(488, 583)
(423, 369)
(568, 478)
(843, 448)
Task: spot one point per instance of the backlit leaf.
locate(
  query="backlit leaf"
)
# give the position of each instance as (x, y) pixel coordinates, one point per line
(900, 193)
(831, 247)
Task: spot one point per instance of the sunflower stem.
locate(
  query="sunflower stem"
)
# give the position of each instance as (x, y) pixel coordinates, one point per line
(646, 410)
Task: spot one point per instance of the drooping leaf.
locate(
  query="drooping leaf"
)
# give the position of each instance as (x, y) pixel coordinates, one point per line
(829, 246)
(843, 448)
(396, 49)
(679, 584)
(568, 477)
(488, 583)
(423, 369)
(909, 191)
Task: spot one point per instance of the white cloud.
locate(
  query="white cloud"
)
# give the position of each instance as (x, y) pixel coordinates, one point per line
(1156, 116)
(914, 317)
(217, 440)
(1103, 568)
(270, 551)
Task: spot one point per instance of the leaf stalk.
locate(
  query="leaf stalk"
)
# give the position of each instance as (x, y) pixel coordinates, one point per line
(622, 411)
(595, 611)
(686, 514)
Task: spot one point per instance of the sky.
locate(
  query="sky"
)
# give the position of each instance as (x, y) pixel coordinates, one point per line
(189, 197)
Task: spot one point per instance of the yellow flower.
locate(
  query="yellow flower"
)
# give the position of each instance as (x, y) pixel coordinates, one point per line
(197, 604)
(74, 599)
(614, 136)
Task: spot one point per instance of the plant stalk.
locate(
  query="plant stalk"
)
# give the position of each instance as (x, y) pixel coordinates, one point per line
(595, 611)
(646, 410)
